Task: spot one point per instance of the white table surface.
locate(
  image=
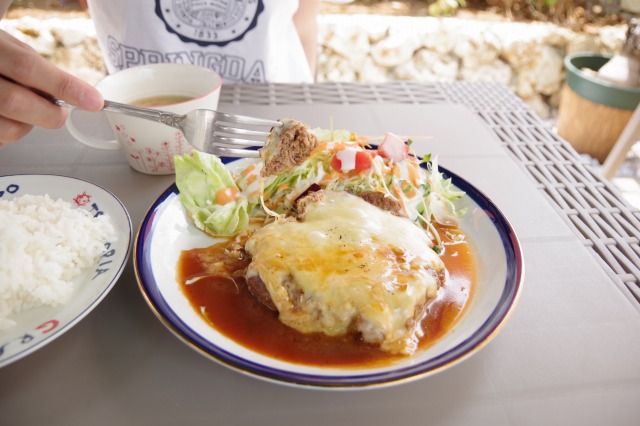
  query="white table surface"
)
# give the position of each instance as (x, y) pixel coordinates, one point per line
(569, 355)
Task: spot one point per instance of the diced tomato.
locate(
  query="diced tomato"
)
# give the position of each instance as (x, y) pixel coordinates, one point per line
(351, 159)
(363, 161)
(393, 147)
(336, 164)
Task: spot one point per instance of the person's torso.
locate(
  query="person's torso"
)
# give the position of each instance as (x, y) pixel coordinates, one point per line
(250, 41)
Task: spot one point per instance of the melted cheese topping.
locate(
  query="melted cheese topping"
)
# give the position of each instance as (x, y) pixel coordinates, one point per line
(348, 267)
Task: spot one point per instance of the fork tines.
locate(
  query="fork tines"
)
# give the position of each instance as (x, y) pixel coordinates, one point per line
(243, 119)
(225, 134)
(224, 137)
(228, 151)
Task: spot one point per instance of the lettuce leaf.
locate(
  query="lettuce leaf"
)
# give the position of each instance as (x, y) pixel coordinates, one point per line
(199, 177)
(329, 135)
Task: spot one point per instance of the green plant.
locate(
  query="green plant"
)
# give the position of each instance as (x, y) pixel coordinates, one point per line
(445, 7)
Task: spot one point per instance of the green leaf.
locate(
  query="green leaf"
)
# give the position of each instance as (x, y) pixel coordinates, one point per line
(199, 177)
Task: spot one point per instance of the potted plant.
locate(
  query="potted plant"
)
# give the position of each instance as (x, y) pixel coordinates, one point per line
(594, 109)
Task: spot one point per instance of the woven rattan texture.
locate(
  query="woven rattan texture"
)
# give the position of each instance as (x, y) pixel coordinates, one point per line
(606, 224)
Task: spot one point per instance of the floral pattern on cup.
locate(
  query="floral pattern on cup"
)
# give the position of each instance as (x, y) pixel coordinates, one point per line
(149, 160)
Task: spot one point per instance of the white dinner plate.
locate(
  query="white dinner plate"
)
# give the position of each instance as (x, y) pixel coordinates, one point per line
(166, 231)
(36, 327)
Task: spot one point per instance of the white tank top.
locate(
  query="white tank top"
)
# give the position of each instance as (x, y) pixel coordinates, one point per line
(245, 41)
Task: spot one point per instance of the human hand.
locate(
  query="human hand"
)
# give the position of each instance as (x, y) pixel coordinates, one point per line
(23, 72)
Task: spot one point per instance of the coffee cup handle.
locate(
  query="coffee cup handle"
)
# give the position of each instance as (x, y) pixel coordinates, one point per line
(92, 141)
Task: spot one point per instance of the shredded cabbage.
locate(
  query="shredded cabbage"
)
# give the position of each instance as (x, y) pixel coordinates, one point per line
(423, 192)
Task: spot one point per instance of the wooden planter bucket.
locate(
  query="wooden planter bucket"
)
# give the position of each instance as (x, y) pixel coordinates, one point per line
(593, 113)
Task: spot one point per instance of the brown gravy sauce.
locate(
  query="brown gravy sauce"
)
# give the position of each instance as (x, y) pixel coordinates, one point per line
(231, 309)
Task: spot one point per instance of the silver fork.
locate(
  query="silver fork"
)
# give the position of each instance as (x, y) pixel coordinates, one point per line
(206, 130)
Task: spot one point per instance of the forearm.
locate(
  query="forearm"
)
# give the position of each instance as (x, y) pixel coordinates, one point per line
(4, 6)
(306, 24)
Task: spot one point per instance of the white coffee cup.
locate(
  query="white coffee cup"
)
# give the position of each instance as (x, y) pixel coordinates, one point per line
(149, 147)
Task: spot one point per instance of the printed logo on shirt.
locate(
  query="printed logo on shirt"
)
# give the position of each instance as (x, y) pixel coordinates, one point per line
(230, 67)
(209, 22)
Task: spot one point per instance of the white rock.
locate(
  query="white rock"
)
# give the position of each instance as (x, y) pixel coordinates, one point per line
(496, 72)
(521, 54)
(478, 49)
(446, 69)
(68, 37)
(375, 32)
(394, 50)
(581, 43)
(31, 32)
(544, 76)
(348, 41)
(334, 68)
(554, 100)
(375, 26)
(557, 37)
(611, 37)
(428, 66)
(438, 37)
(371, 72)
(538, 105)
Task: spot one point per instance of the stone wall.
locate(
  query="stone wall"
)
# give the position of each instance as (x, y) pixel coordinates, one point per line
(528, 57)
(372, 48)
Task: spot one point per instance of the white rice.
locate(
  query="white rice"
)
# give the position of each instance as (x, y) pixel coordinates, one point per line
(44, 245)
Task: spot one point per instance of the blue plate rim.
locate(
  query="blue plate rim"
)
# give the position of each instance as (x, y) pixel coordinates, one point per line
(498, 317)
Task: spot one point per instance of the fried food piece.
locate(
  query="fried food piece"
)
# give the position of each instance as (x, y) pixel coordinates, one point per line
(384, 202)
(287, 146)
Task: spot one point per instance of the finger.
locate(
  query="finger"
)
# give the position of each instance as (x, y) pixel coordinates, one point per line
(18, 103)
(24, 65)
(5, 37)
(11, 131)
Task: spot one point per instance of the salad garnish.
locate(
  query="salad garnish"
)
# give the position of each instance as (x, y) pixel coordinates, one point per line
(222, 201)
